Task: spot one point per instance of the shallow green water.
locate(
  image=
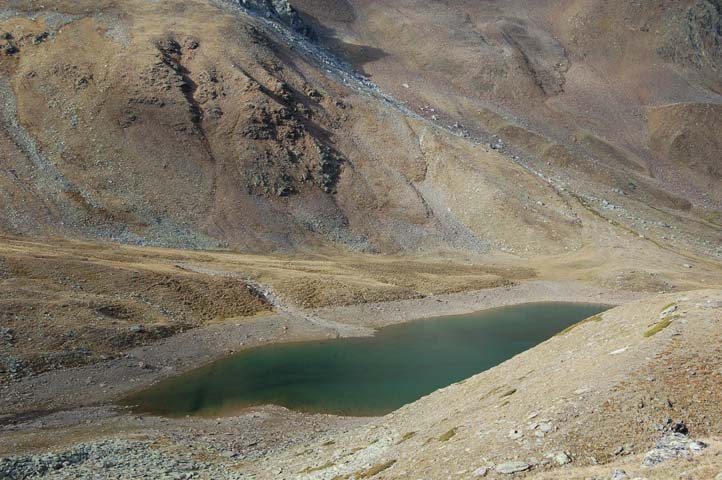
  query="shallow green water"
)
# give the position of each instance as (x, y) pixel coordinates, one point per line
(364, 376)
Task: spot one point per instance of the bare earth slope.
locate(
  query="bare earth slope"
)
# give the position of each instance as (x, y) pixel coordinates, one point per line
(196, 124)
(581, 90)
(598, 393)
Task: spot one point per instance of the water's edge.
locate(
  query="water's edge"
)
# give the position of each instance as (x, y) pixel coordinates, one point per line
(365, 376)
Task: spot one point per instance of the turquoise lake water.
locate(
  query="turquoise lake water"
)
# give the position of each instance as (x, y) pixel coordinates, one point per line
(363, 376)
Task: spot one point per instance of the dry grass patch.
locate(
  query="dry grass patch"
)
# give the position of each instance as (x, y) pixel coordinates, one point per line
(448, 435)
(659, 327)
(305, 452)
(508, 393)
(376, 469)
(595, 318)
(669, 305)
(407, 436)
(316, 469)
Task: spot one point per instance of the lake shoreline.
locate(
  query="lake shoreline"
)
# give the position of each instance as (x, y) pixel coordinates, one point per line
(68, 394)
(363, 376)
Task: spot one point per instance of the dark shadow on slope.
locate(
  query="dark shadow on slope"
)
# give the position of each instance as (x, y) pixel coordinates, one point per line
(356, 55)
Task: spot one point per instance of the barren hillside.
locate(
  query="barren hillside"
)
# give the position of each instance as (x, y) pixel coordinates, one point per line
(207, 124)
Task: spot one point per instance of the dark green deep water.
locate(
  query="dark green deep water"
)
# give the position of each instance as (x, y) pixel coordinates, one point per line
(363, 376)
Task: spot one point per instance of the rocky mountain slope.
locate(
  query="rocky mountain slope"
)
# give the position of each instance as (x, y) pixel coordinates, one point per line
(217, 123)
(576, 89)
(575, 81)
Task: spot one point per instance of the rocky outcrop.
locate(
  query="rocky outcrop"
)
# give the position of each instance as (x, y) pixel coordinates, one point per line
(280, 10)
(671, 446)
(704, 29)
(698, 41)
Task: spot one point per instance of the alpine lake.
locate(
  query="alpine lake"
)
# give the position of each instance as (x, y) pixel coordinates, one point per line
(365, 376)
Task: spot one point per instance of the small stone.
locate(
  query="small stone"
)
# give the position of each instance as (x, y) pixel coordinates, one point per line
(228, 454)
(562, 458)
(508, 468)
(697, 446)
(480, 472)
(516, 434)
(619, 475)
(680, 427)
(618, 450)
(137, 329)
(546, 427)
(41, 38)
